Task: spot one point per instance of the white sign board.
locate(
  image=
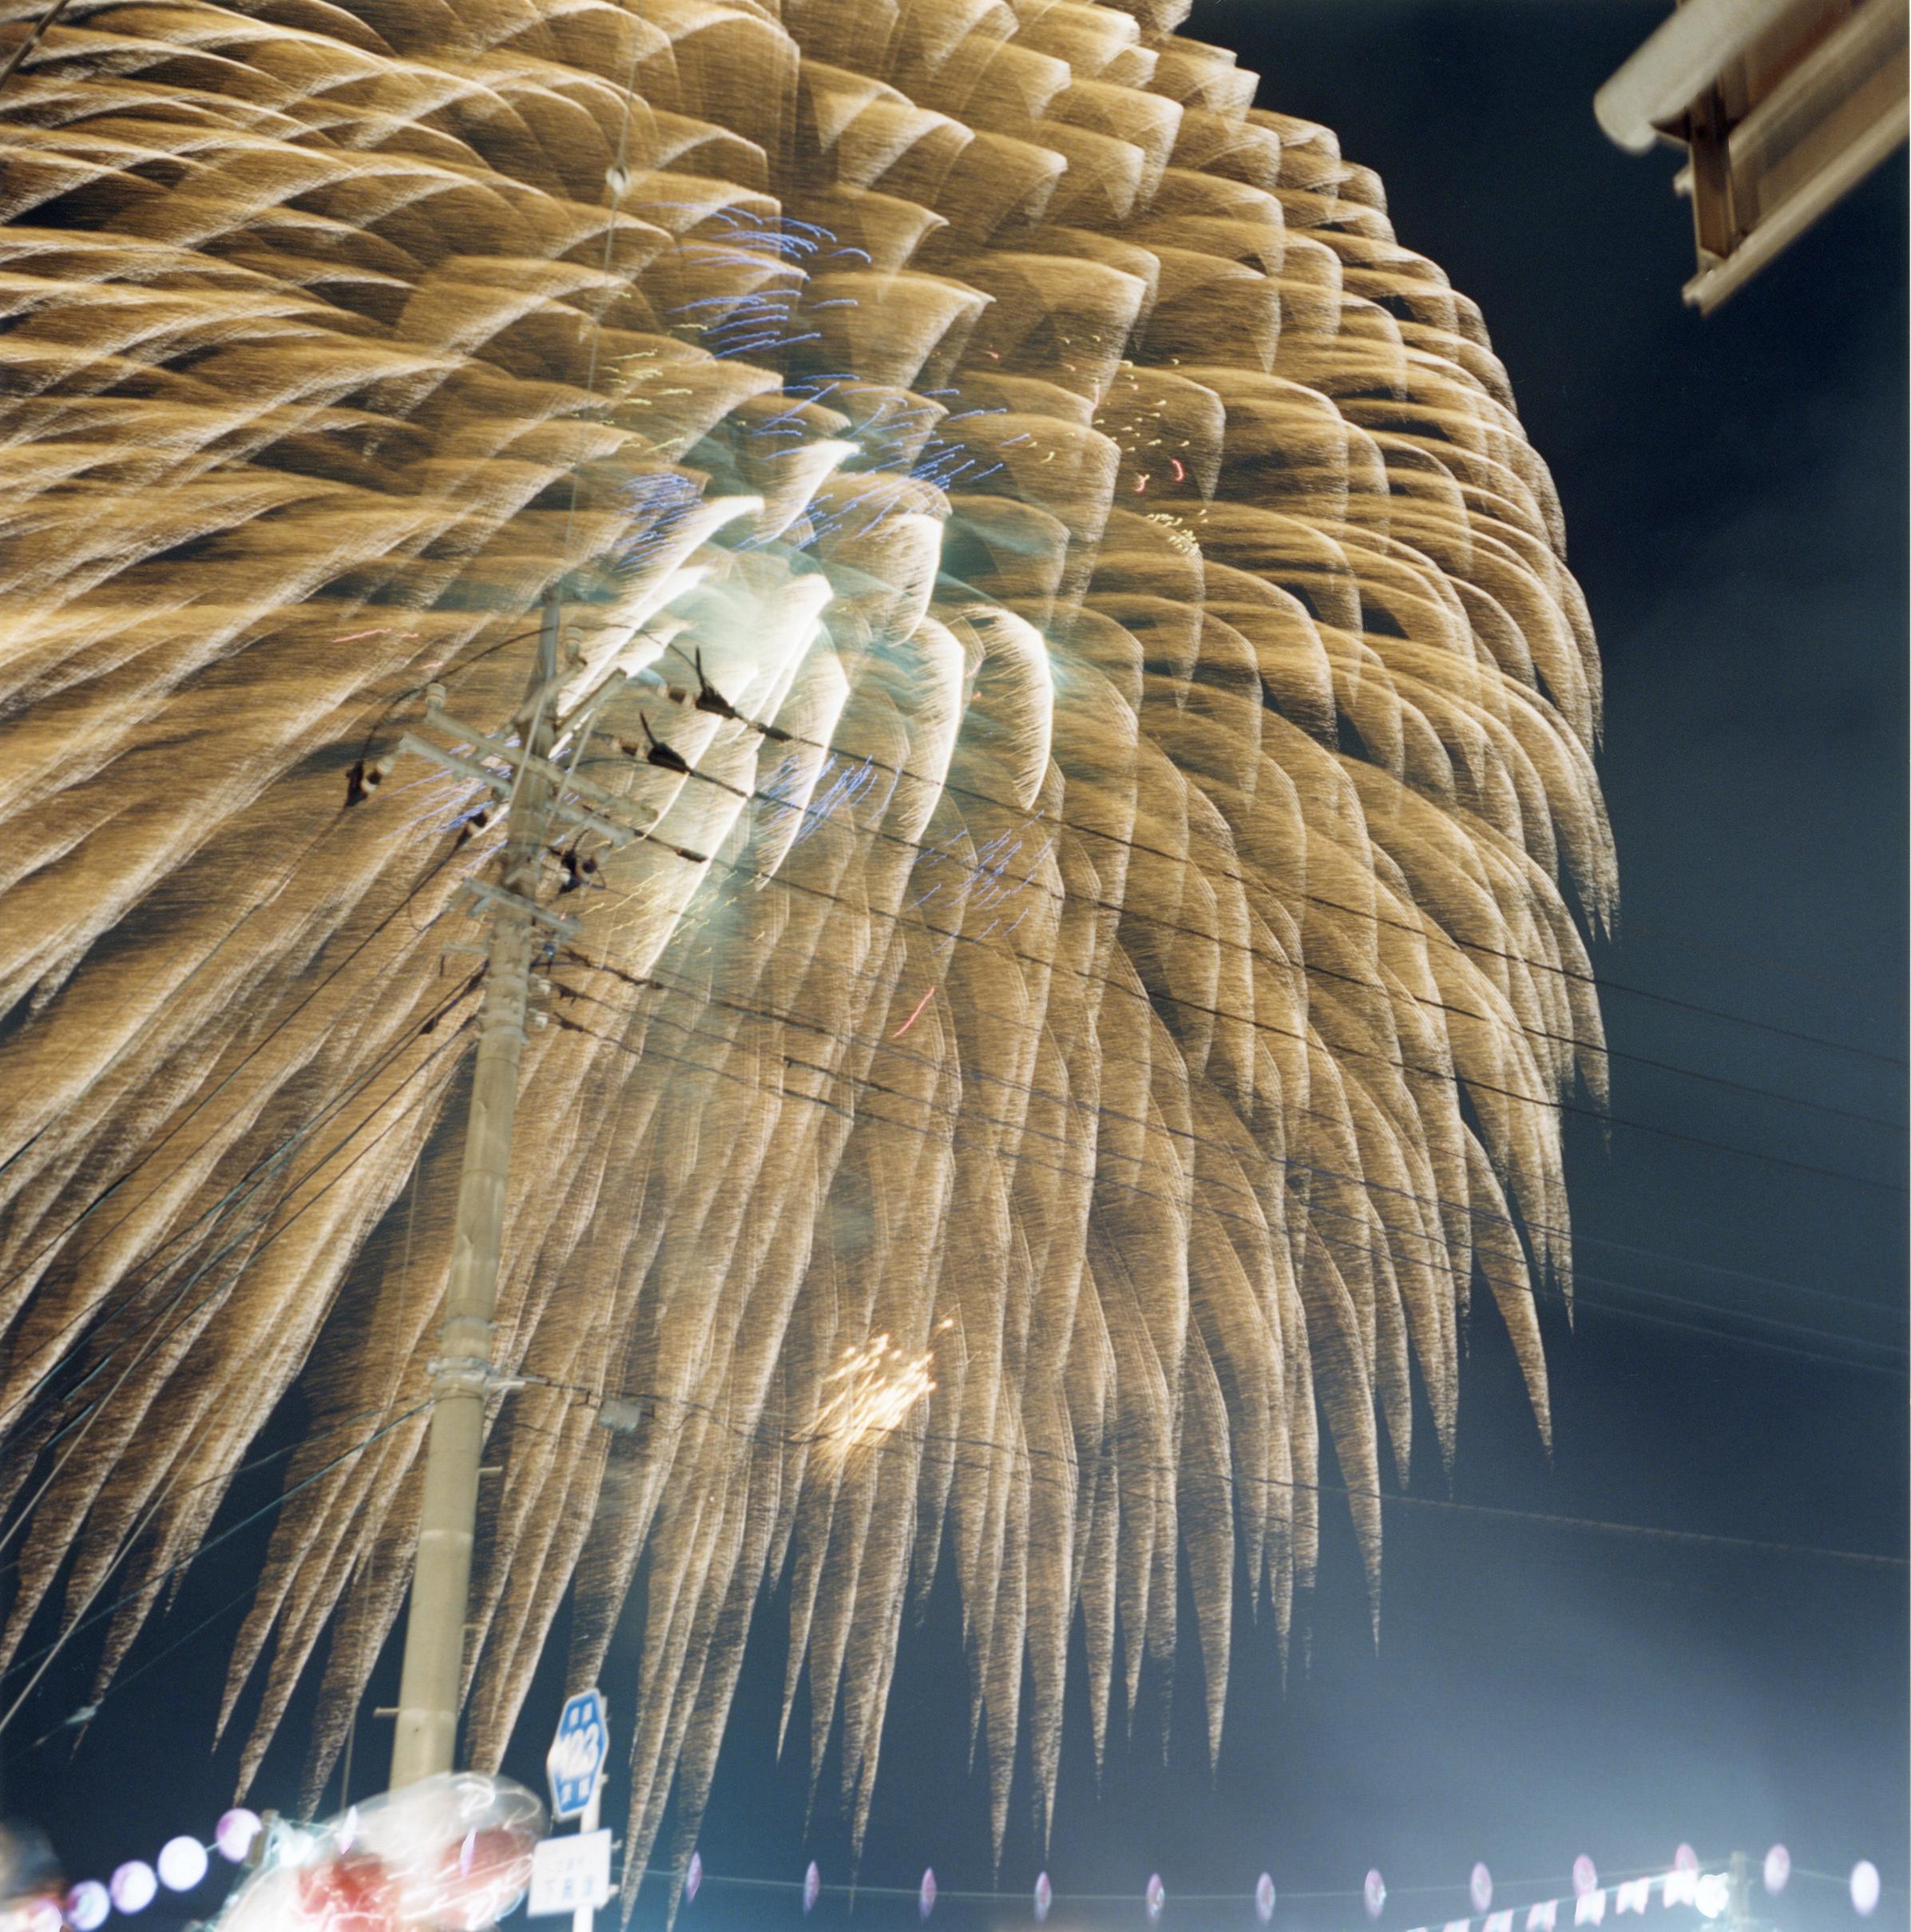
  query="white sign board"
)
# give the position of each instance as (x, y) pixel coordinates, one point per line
(569, 1872)
(576, 1758)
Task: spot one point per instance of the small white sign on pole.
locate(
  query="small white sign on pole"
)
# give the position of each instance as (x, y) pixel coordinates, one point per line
(570, 1872)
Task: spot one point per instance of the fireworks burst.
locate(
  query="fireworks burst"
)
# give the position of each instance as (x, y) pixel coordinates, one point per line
(1047, 543)
(870, 1397)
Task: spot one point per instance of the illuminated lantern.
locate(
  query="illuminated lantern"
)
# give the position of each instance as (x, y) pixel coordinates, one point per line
(1777, 1869)
(693, 1879)
(1263, 1898)
(234, 1835)
(182, 1864)
(926, 1894)
(1157, 1897)
(1480, 1888)
(1044, 1897)
(1375, 1892)
(1685, 1859)
(87, 1906)
(134, 1885)
(1585, 1875)
(812, 1887)
(1863, 1888)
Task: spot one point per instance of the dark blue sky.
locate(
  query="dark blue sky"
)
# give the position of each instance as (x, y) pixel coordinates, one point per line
(1735, 495)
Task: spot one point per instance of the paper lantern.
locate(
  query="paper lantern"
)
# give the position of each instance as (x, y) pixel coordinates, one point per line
(1863, 1888)
(134, 1886)
(812, 1887)
(1044, 1897)
(925, 1893)
(1480, 1888)
(1585, 1876)
(182, 1864)
(234, 1834)
(1263, 1898)
(1777, 1869)
(1157, 1897)
(693, 1879)
(1374, 1892)
(87, 1906)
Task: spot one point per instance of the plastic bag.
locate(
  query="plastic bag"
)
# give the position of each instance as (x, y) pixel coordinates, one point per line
(450, 1853)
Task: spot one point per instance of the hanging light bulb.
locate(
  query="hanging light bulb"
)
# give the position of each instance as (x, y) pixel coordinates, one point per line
(134, 1887)
(234, 1834)
(182, 1864)
(87, 1906)
(1865, 1888)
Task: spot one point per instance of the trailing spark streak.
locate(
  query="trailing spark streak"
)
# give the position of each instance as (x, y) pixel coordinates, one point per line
(1077, 561)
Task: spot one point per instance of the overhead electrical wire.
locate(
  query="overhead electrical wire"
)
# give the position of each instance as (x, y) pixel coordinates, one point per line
(887, 1046)
(956, 788)
(1537, 1289)
(905, 1436)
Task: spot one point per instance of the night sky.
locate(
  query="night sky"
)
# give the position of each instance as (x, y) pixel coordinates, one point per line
(1734, 491)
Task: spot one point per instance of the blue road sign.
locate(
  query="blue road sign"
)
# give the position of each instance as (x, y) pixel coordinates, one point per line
(575, 1761)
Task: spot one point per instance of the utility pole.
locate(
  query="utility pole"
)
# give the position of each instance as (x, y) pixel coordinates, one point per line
(1738, 1916)
(464, 1372)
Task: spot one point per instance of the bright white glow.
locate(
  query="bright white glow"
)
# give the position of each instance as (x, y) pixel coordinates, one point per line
(1863, 1888)
(182, 1864)
(42, 1915)
(235, 1833)
(134, 1885)
(87, 1906)
(1480, 1888)
(870, 1395)
(1585, 1875)
(1374, 1892)
(1263, 1898)
(1713, 1895)
(1778, 1869)
(294, 1846)
(1157, 1897)
(1044, 1897)
(1685, 1859)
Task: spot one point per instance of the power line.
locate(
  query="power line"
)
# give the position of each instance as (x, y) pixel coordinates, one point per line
(776, 734)
(903, 1436)
(259, 1046)
(1280, 961)
(248, 1181)
(96, 1409)
(1096, 1179)
(690, 988)
(45, 1658)
(1550, 1104)
(885, 1046)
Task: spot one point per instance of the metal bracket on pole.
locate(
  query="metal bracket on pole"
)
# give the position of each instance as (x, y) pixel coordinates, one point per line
(499, 783)
(494, 898)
